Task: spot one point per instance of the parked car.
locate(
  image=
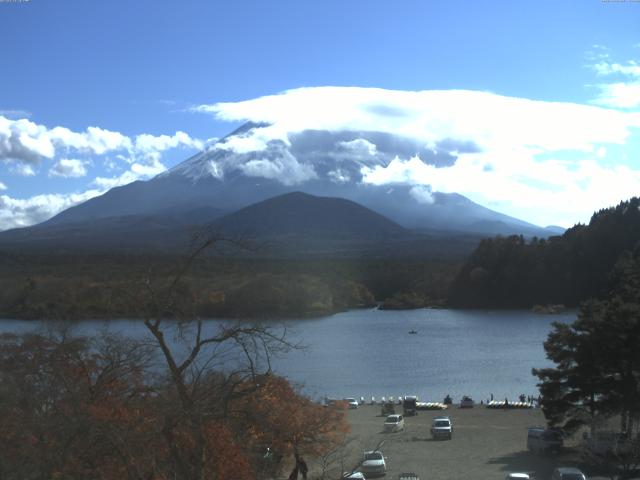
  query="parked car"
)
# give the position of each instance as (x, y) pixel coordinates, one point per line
(466, 402)
(373, 464)
(351, 402)
(394, 423)
(568, 473)
(442, 427)
(409, 405)
(353, 476)
(387, 409)
(544, 440)
(518, 476)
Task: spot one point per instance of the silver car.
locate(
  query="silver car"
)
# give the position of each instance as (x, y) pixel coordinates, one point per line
(568, 473)
(442, 427)
(394, 423)
(373, 464)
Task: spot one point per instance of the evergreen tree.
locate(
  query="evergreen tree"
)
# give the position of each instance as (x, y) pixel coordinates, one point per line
(597, 357)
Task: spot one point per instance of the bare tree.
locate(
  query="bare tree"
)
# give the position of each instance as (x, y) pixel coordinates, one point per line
(211, 366)
(335, 458)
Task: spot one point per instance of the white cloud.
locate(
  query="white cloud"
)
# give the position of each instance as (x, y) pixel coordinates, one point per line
(66, 167)
(95, 140)
(2, 186)
(631, 68)
(360, 147)
(24, 145)
(16, 212)
(422, 194)
(25, 141)
(622, 93)
(160, 143)
(15, 113)
(619, 95)
(137, 171)
(545, 157)
(245, 143)
(339, 176)
(282, 167)
(431, 116)
(106, 183)
(22, 169)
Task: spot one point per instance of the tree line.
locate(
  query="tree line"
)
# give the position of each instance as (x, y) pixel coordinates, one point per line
(513, 272)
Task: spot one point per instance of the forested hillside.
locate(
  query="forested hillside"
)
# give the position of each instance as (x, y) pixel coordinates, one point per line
(510, 272)
(93, 286)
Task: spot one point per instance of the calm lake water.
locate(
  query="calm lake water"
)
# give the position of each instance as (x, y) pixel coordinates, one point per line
(370, 352)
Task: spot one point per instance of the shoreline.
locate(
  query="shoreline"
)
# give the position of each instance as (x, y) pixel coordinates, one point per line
(292, 316)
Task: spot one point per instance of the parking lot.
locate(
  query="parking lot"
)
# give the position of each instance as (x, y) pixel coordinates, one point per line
(486, 444)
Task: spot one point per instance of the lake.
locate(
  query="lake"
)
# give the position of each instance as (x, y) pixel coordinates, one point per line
(370, 352)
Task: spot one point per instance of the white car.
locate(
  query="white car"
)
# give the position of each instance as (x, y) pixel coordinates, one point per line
(351, 402)
(394, 423)
(441, 427)
(373, 464)
(518, 476)
(353, 476)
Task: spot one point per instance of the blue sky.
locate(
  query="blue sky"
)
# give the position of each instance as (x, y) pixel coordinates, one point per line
(155, 79)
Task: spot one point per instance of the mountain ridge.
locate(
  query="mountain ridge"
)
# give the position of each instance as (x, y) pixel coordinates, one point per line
(224, 179)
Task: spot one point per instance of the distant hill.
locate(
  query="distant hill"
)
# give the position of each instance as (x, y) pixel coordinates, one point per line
(302, 214)
(513, 272)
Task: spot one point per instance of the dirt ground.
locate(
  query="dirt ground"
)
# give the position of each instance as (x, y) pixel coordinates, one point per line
(486, 444)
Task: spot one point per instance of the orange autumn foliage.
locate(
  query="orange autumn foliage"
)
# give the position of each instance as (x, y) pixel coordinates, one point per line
(276, 415)
(71, 409)
(227, 459)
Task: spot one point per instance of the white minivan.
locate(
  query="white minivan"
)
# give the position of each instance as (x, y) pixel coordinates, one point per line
(394, 423)
(442, 427)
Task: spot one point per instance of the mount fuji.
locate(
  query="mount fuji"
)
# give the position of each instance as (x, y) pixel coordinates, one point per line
(244, 168)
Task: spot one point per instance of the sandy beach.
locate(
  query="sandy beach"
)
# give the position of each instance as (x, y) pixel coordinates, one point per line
(486, 444)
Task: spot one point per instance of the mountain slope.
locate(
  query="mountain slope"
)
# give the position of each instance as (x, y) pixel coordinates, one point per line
(294, 225)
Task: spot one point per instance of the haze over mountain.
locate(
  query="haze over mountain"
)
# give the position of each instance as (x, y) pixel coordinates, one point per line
(235, 173)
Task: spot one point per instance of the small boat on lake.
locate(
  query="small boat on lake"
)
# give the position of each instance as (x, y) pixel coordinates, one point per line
(412, 332)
